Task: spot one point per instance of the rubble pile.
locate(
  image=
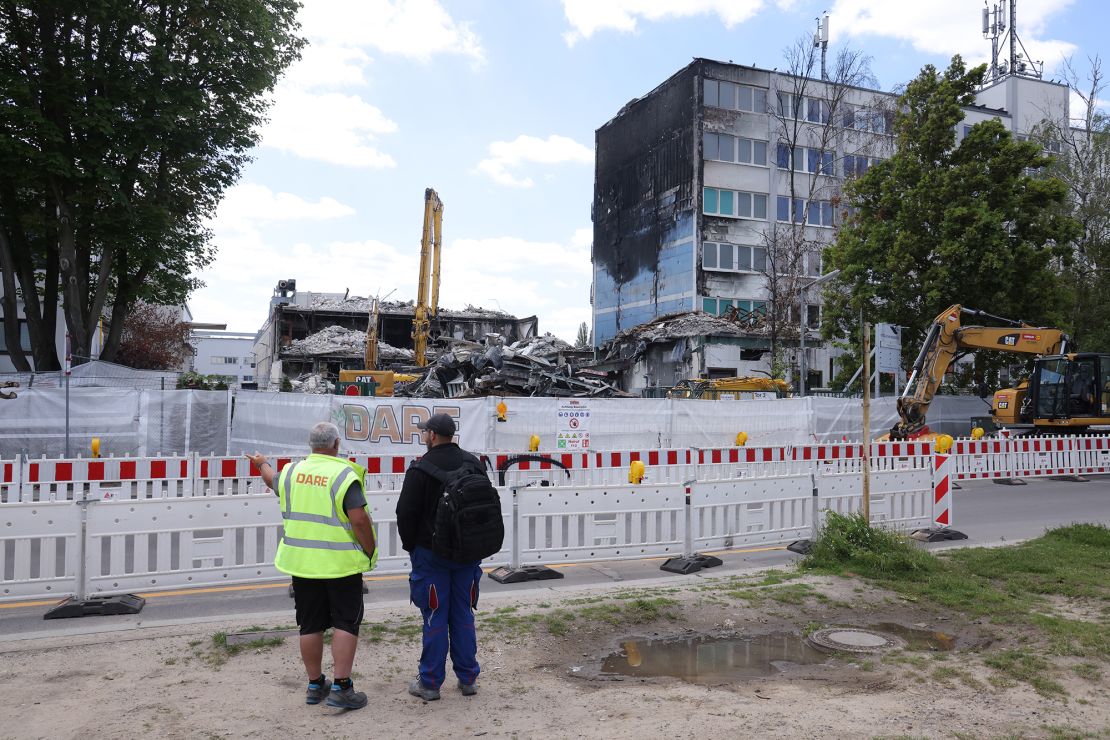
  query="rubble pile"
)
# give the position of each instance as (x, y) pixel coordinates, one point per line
(469, 370)
(546, 347)
(335, 341)
(632, 343)
(358, 304)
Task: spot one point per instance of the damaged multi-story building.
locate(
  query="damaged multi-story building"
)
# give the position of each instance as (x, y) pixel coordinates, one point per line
(717, 191)
(319, 334)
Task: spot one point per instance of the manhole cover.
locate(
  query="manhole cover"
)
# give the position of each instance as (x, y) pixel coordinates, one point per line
(851, 640)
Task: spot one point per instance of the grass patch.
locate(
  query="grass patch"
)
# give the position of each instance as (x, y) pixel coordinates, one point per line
(1006, 586)
(1088, 671)
(1020, 665)
(848, 545)
(220, 651)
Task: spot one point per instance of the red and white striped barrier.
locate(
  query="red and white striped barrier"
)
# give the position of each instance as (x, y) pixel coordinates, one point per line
(11, 474)
(942, 491)
(1092, 455)
(108, 478)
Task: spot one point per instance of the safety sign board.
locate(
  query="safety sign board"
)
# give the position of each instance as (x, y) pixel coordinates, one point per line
(572, 428)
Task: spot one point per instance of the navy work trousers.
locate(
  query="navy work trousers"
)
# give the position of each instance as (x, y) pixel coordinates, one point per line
(446, 593)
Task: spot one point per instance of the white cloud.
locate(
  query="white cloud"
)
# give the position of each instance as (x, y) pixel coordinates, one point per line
(948, 26)
(309, 119)
(529, 149)
(587, 17)
(328, 127)
(419, 29)
(248, 202)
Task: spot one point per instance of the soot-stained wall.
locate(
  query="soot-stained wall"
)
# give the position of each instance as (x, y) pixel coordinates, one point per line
(643, 208)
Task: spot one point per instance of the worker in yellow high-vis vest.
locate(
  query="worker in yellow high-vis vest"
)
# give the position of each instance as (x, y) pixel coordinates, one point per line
(328, 543)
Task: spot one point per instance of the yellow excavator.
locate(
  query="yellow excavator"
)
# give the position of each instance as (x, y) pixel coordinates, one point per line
(1066, 392)
(742, 388)
(370, 380)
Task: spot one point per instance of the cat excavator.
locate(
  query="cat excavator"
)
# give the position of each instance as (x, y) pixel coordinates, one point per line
(1066, 392)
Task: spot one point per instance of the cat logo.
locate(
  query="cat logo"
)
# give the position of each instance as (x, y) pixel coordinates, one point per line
(1003, 404)
(1008, 340)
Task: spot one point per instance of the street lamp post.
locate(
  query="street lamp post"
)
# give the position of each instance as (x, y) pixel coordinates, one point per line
(803, 370)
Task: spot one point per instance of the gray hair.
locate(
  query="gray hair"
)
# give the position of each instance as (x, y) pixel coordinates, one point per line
(323, 436)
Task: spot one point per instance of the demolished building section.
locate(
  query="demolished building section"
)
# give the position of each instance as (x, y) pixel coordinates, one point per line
(291, 344)
(687, 345)
(539, 366)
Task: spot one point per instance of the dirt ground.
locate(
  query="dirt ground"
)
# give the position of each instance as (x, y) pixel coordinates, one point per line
(541, 655)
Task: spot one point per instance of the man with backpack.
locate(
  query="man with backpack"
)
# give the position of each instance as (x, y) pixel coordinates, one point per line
(448, 518)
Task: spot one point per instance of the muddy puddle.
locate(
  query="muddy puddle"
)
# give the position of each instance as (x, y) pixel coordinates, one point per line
(715, 659)
(706, 659)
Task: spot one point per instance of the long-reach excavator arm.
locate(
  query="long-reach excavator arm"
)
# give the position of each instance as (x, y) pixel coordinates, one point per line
(430, 243)
(946, 339)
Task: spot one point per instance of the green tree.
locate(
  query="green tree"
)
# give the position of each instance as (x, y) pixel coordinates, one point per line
(938, 223)
(1083, 164)
(123, 123)
(583, 340)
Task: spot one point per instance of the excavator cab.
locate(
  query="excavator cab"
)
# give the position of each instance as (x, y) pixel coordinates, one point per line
(1070, 390)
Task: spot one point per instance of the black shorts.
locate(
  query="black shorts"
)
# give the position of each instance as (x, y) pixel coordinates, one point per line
(328, 602)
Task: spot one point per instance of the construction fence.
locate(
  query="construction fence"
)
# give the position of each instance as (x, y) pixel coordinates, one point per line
(149, 422)
(112, 526)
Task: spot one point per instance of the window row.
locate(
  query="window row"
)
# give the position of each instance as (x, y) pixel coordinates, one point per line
(724, 257)
(857, 164)
(224, 360)
(798, 210)
(725, 148)
(804, 159)
(721, 306)
(735, 97)
(734, 203)
(813, 110)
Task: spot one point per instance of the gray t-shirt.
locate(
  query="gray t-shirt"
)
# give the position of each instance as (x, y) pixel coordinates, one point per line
(354, 498)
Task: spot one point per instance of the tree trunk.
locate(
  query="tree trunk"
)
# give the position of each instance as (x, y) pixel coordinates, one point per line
(11, 317)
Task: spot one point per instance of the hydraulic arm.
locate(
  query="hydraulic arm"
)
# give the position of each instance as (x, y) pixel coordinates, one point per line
(426, 308)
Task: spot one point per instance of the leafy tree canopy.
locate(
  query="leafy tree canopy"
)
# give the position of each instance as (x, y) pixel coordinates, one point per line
(942, 222)
(123, 123)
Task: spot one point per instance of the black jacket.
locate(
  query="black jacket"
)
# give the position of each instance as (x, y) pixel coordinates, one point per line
(416, 506)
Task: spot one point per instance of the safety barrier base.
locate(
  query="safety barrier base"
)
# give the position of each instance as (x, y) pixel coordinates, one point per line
(688, 564)
(97, 606)
(937, 534)
(509, 574)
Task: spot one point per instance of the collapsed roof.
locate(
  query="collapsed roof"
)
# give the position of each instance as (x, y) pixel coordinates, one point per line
(358, 304)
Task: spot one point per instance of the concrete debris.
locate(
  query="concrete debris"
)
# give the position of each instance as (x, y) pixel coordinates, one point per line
(470, 371)
(336, 341)
(358, 304)
(631, 343)
(316, 384)
(547, 346)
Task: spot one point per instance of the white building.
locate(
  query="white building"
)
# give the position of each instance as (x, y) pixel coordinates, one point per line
(227, 354)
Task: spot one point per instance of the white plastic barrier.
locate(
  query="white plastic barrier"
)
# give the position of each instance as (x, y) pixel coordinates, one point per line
(745, 512)
(109, 478)
(1092, 455)
(1036, 457)
(38, 549)
(899, 499)
(599, 522)
(11, 475)
(977, 459)
(191, 541)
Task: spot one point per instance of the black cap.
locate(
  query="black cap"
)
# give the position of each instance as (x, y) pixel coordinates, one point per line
(441, 424)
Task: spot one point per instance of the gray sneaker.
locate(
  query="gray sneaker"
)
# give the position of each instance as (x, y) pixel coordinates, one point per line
(417, 688)
(346, 698)
(317, 692)
(468, 689)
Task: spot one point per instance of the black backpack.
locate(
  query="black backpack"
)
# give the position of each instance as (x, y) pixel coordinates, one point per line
(468, 524)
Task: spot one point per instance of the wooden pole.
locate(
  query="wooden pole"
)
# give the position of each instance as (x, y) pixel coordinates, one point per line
(867, 422)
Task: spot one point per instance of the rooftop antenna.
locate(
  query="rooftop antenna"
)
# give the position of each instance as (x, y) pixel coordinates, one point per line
(995, 28)
(821, 39)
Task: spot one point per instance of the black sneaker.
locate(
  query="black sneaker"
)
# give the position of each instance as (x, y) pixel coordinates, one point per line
(317, 692)
(417, 688)
(346, 698)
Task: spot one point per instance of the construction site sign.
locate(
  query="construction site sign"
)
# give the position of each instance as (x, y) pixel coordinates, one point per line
(572, 427)
(888, 348)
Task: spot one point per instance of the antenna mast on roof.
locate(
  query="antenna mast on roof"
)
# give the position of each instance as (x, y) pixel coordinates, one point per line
(821, 39)
(996, 29)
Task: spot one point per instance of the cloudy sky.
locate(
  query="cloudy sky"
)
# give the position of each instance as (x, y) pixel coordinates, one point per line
(494, 103)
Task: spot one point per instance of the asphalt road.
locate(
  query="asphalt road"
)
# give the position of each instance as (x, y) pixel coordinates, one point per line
(989, 514)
